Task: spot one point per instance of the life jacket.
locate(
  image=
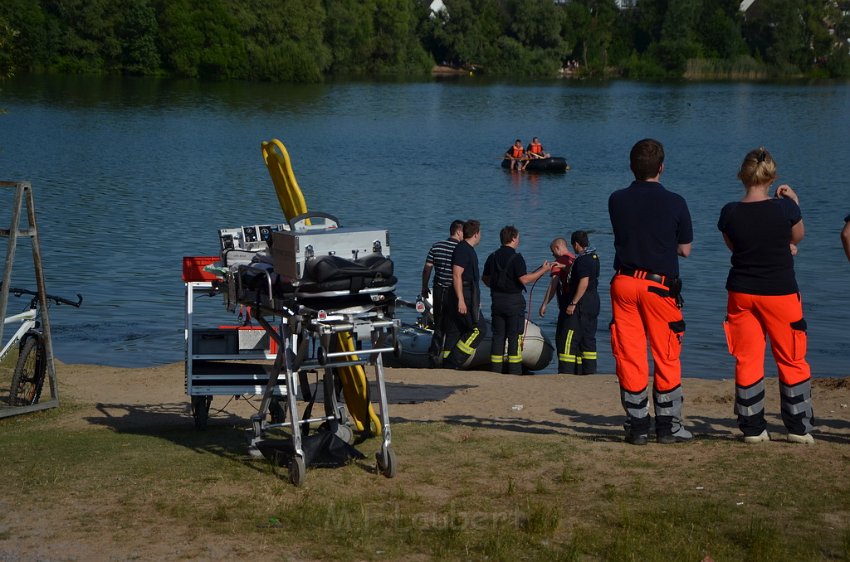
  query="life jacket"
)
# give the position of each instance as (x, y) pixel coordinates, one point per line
(535, 148)
(516, 151)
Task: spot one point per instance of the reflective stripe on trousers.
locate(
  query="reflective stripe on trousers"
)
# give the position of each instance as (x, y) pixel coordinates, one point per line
(797, 411)
(668, 410)
(636, 405)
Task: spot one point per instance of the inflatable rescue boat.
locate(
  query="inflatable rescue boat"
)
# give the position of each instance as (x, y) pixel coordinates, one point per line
(414, 341)
(551, 164)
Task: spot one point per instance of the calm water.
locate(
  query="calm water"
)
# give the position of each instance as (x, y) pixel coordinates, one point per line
(131, 175)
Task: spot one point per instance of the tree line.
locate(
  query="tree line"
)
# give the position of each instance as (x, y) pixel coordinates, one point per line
(311, 40)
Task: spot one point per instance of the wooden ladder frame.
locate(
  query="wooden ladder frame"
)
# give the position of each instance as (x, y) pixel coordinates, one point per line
(23, 195)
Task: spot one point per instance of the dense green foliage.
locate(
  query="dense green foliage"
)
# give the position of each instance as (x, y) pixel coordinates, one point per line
(308, 40)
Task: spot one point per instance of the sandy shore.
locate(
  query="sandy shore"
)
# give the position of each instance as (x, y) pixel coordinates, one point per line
(571, 405)
(79, 526)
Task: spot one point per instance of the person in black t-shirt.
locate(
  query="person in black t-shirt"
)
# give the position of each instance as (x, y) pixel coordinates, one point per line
(506, 274)
(763, 300)
(466, 328)
(577, 321)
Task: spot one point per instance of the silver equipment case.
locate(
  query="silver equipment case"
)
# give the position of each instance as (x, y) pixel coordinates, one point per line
(291, 249)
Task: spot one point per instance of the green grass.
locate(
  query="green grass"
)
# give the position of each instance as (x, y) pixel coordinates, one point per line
(460, 494)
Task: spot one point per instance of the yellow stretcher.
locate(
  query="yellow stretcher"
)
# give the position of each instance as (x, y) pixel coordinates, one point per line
(355, 386)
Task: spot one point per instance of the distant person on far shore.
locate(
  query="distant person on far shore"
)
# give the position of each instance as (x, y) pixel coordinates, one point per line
(763, 300)
(845, 237)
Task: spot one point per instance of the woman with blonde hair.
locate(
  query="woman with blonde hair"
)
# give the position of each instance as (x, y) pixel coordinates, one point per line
(763, 300)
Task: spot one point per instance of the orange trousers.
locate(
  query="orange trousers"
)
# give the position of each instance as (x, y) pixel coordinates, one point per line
(749, 318)
(643, 309)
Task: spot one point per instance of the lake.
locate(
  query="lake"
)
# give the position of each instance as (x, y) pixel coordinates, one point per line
(129, 175)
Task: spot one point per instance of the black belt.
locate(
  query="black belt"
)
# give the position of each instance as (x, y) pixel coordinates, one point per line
(648, 275)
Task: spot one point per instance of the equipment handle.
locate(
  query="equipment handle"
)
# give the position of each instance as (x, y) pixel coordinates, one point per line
(299, 222)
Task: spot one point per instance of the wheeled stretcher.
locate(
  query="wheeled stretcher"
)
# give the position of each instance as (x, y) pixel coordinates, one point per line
(336, 317)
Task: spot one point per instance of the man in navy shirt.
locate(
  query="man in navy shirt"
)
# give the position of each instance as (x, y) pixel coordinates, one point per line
(652, 228)
(506, 273)
(467, 327)
(577, 321)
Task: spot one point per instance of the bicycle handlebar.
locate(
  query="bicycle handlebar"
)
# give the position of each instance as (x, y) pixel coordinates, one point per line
(58, 300)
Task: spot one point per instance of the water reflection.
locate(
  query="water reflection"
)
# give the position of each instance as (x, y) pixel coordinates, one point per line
(132, 174)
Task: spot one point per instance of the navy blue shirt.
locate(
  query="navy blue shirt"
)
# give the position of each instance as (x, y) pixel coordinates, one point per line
(464, 256)
(649, 224)
(585, 265)
(760, 234)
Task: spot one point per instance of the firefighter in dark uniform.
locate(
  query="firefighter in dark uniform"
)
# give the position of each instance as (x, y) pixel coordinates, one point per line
(506, 274)
(440, 261)
(467, 327)
(577, 336)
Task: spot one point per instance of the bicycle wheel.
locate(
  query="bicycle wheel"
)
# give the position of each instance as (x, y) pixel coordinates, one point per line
(28, 377)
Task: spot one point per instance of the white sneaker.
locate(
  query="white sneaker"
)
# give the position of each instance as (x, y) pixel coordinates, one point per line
(806, 439)
(760, 438)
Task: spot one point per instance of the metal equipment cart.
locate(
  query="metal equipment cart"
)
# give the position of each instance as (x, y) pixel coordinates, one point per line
(338, 327)
(369, 323)
(232, 361)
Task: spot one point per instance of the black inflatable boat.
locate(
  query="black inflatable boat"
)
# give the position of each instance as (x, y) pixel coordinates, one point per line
(551, 164)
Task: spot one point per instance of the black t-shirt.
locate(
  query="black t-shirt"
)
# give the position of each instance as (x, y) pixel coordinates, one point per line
(464, 256)
(760, 234)
(649, 224)
(513, 268)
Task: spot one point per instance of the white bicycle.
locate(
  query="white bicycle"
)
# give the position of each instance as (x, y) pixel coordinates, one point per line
(31, 366)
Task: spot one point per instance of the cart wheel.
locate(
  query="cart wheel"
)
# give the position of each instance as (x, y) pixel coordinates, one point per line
(297, 470)
(389, 468)
(276, 412)
(201, 410)
(344, 432)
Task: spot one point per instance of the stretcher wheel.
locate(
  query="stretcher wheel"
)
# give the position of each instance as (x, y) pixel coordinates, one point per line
(388, 467)
(344, 432)
(201, 410)
(297, 470)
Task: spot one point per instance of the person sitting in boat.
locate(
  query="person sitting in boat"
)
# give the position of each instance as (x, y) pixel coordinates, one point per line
(535, 150)
(516, 154)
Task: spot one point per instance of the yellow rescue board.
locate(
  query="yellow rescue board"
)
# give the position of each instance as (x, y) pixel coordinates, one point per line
(355, 386)
(289, 194)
